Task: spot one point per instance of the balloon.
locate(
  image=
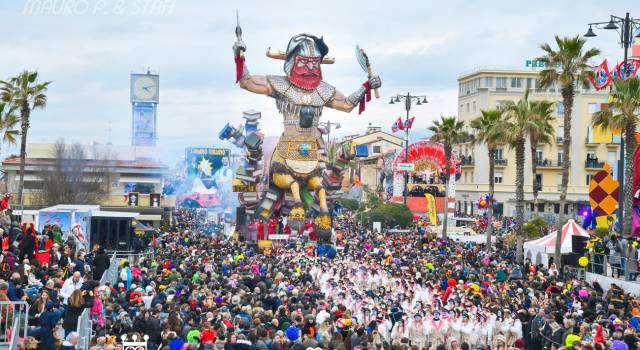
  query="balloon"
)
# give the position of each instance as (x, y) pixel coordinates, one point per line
(396, 260)
(430, 266)
(452, 282)
(583, 261)
(475, 287)
(583, 293)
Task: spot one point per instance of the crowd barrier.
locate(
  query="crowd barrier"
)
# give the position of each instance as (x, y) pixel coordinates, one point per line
(626, 269)
(85, 327)
(14, 316)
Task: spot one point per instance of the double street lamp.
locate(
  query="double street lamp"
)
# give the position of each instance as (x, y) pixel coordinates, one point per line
(625, 26)
(408, 102)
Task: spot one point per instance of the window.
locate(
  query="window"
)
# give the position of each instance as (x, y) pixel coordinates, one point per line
(501, 83)
(593, 107)
(376, 149)
(500, 104)
(488, 81)
(566, 209)
(466, 179)
(499, 153)
(516, 83)
(589, 177)
(560, 109)
(467, 107)
(539, 182)
(560, 157)
(529, 83)
(474, 106)
(497, 178)
(531, 206)
(556, 208)
(541, 207)
(539, 155)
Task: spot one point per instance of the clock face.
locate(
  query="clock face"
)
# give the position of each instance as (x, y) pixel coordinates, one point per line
(145, 88)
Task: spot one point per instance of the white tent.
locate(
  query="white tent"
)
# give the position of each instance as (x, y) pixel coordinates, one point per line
(540, 249)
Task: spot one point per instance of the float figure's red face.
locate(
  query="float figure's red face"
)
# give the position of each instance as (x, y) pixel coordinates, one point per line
(306, 73)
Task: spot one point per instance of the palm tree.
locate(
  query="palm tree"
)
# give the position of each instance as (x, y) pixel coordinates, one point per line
(27, 94)
(489, 131)
(543, 134)
(567, 66)
(8, 123)
(622, 114)
(520, 122)
(449, 132)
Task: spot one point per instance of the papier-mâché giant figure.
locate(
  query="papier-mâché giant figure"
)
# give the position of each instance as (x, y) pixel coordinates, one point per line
(300, 96)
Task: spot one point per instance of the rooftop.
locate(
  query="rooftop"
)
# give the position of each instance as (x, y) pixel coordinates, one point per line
(139, 163)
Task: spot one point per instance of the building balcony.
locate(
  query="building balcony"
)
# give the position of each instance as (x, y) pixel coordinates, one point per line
(466, 161)
(590, 143)
(593, 164)
(549, 163)
(500, 162)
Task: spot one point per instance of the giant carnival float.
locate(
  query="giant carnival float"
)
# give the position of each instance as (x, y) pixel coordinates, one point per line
(299, 180)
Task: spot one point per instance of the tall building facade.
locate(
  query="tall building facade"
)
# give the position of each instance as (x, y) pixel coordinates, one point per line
(491, 88)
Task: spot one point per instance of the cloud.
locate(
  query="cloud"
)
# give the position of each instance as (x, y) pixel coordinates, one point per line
(416, 46)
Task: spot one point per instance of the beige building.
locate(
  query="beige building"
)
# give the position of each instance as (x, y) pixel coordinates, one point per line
(378, 143)
(490, 88)
(131, 169)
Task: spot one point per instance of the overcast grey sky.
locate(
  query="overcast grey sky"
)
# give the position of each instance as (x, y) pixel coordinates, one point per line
(89, 47)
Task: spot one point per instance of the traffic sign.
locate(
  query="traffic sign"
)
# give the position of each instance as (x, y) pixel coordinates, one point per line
(406, 166)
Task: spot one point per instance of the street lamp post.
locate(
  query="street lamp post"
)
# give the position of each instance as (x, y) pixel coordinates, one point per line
(625, 26)
(328, 125)
(408, 101)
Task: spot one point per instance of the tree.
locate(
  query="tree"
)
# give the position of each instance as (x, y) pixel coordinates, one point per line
(27, 94)
(521, 120)
(542, 134)
(488, 130)
(622, 114)
(450, 132)
(72, 178)
(535, 228)
(8, 123)
(349, 204)
(567, 66)
(390, 215)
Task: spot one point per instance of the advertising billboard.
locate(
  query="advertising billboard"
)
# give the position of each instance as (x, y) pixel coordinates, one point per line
(144, 124)
(210, 176)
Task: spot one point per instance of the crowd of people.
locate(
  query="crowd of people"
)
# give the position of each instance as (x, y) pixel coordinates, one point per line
(379, 291)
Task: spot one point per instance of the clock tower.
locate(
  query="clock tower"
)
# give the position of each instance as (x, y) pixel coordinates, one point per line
(145, 92)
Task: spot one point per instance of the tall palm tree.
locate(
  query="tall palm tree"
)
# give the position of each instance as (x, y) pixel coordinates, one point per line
(623, 114)
(488, 128)
(26, 93)
(568, 65)
(520, 121)
(449, 132)
(543, 134)
(8, 123)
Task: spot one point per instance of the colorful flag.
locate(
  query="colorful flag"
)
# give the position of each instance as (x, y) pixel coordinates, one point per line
(400, 123)
(395, 126)
(409, 123)
(601, 76)
(630, 71)
(431, 209)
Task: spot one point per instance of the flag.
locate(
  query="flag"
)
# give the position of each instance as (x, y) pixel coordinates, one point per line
(409, 123)
(631, 71)
(601, 76)
(431, 209)
(395, 126)
(400, 123)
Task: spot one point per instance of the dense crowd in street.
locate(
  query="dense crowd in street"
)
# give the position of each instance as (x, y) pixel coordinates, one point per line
(380, 291)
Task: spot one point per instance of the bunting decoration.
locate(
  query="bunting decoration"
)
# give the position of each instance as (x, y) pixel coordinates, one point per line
(601, 76)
